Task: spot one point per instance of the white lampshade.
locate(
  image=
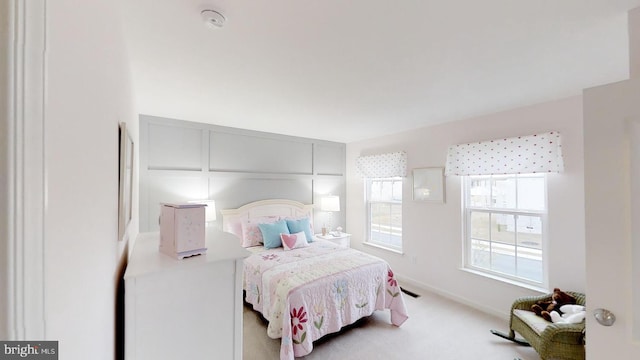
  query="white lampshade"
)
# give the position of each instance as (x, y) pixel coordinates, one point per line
(210, 211)
(330, 203)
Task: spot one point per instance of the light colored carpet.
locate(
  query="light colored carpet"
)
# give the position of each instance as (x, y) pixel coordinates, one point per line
(437, 329)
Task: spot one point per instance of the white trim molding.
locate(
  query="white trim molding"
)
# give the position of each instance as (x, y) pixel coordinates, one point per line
(23, 92)
(418, 287)
(634, 171)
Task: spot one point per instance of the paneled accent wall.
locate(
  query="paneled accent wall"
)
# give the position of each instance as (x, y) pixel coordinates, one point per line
(182, 160)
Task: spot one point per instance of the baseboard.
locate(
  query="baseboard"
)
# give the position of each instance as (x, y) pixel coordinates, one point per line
(417, 286)
(409, 292)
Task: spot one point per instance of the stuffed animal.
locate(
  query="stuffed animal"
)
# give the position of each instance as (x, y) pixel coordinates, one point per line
(571, 314)
(558, 298)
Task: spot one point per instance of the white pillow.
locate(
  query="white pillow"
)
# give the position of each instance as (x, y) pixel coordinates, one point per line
(294, 241)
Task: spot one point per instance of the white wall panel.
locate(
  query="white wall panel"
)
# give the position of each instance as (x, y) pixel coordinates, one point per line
(239, 152)
(329, 159)
(169, 189)
(232, 192)
(174, 148)
(233, 167)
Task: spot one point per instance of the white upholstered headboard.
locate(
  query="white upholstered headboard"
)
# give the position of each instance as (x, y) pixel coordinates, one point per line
(232, 219)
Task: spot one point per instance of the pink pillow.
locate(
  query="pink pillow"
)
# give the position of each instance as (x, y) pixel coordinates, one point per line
(251, 234)
(294, 241)
(236, 228)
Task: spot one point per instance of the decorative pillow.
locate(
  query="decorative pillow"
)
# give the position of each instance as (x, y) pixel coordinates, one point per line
(251, 234)
(271, 233)
(302, 224)
(294, 241)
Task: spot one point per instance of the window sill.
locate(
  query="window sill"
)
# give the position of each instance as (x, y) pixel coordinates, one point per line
(383, 248)
(540, 289)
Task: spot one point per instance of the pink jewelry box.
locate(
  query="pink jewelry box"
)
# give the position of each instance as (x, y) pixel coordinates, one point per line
(182, 230)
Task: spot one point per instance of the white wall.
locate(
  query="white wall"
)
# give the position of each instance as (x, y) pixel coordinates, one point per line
(611, 118)
(432, 233)
(88, 93)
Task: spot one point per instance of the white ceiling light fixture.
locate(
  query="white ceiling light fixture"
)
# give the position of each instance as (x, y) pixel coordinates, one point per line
(212, 18)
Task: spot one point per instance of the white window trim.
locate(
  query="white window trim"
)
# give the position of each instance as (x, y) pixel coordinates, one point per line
(387, 248)
(368, 242)
(466, 239)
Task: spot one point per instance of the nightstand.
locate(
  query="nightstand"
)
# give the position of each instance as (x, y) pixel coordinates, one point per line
(343, 239)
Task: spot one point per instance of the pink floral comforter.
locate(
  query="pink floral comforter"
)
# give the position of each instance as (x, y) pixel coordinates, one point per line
(309, 292)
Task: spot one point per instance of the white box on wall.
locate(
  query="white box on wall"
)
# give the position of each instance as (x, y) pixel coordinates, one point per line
(182, 230)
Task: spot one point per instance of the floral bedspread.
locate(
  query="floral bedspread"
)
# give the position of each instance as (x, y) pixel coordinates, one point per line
(309, 292)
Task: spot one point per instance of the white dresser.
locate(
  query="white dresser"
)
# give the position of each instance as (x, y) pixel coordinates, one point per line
(184, 309)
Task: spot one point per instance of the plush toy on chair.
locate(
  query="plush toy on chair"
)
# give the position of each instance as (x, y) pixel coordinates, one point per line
(563, 340)
(571, 314)
(558, 299)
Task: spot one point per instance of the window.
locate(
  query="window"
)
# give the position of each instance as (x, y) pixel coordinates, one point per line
(384, 205)
(505, 225)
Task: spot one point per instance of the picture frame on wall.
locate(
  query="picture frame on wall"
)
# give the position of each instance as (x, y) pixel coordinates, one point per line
(428, 184)
(125, 182)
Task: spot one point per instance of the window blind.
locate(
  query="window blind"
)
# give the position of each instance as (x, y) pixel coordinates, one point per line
(517, 155)
(383, 165)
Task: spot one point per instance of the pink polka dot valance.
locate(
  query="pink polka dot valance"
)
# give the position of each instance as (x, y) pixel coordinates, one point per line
(383, 165)
(517, 155)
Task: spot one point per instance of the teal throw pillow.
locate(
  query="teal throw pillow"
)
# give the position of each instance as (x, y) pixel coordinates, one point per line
(271, 233)
(295, 226)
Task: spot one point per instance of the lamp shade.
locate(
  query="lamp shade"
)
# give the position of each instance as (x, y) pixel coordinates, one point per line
(210, 210)
(330, 203)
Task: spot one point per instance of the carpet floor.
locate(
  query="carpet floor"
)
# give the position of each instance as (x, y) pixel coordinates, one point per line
(437, 329)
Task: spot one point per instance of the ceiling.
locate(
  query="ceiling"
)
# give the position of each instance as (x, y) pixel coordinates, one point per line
(352, 70)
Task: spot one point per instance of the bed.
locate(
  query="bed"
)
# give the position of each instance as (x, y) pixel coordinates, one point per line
(307, 288)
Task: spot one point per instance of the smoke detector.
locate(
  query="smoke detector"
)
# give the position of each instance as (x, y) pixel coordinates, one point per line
(212, 18)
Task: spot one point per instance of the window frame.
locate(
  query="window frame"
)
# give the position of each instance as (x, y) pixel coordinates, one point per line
(369, 202)
(468, 209)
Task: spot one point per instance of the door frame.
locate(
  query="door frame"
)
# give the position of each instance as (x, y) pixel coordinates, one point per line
(23, 163)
